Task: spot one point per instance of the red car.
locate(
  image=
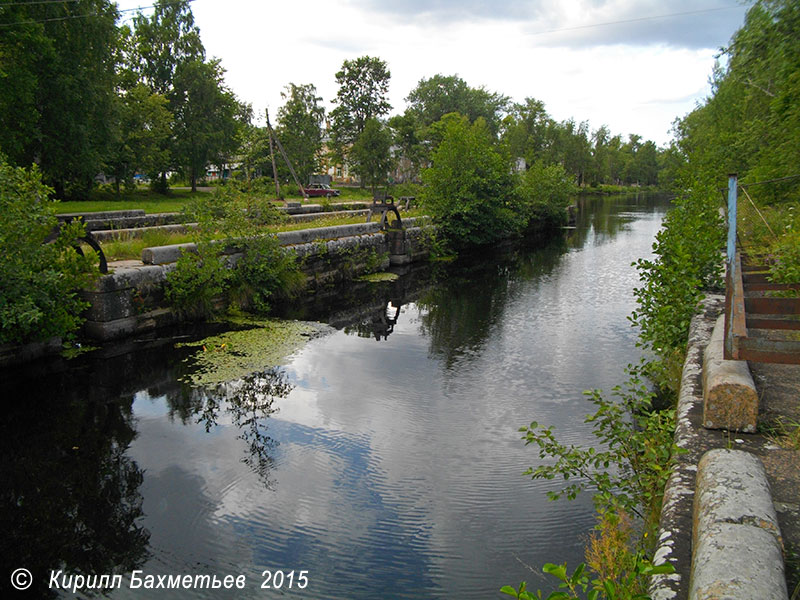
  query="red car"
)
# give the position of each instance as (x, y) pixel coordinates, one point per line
(318, 190)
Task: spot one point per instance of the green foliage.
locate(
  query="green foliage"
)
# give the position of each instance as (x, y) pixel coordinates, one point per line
(370, 156)
(230, 220)
(208, 118)
(198, 280)
(786, 268)
(363, 89)
(300, 129)
(631, 466)
(439, 95)
(56, 89)
(38, 297)
(143, 129)
(469, 186)
(687, 261)
(544, 193)
(577, 585)
(750, 125)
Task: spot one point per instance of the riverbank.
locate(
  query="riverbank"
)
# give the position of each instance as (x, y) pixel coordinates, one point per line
(778, 387)
(131, 298)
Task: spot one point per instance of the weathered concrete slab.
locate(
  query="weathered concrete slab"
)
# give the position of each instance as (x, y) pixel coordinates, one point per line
(161, 255)
(129, 233)
(303, 236)
(738, 552)
(730, 400)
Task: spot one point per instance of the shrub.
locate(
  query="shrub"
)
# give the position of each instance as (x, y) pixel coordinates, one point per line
(469, 186)
(543, 193)
(230, 219)
(38, 296)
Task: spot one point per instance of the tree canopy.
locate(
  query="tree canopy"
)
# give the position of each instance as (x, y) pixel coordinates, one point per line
(363, 89)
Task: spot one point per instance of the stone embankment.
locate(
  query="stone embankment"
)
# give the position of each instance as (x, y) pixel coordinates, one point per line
(730, 516)
(131, 299)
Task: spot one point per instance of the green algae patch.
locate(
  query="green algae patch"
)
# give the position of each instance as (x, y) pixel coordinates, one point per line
(379, 277)
(235, 354)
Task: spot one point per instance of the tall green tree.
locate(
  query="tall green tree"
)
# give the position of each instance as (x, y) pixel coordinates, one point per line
(300, 128)
(208, 117)
(469, 186)
(371, 157)
(161, 45)
(143, 126)
(162, 42)
(363, 89)
(750, 124)
(439, 95)
(525, 130)
(57, 63)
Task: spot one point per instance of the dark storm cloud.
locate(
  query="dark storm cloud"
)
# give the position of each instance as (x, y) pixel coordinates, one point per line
(677, 23)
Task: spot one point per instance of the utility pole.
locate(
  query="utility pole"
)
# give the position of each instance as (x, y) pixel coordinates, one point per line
(285, 158)
(272, 156)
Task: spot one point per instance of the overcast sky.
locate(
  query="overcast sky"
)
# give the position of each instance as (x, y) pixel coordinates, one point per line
(633, 65)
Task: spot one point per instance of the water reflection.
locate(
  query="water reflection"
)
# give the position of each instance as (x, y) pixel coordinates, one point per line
(248, 402)
(71, 494)
(459, 314)
(379, 323)
(390, 468)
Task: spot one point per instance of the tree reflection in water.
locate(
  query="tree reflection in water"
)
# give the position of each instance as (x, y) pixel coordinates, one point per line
(248, 402)
(70, 498)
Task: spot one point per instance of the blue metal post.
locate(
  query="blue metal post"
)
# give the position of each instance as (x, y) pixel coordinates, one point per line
(730, 276)
(732, 185)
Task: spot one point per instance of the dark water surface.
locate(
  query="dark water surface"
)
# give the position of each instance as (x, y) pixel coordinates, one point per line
(383, 460)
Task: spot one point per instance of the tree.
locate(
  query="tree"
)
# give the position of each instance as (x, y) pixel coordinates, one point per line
(207, 118)
(161, 45)
(56, 89)
(143, 127)
(371, 155)
(164, 41)
(525, 130)
(38, 298)
(363, 86)
(300, 128)
(469, 186)
(544, 192)
(439, 95)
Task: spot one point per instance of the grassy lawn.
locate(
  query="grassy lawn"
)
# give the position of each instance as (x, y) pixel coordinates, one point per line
(144, 199)
(132, 249)
(106, 199)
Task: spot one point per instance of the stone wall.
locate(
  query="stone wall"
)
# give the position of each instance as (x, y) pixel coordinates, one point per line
(131, 300)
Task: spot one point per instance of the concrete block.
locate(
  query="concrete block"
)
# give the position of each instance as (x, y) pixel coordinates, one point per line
(738, 551)
(161, 255)
(734, 563)
(305, 236)
(730, 400)
(732, 487)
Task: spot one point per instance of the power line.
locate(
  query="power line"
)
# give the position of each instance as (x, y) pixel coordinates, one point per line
(69, 17)
(4, 4)
(637, 20)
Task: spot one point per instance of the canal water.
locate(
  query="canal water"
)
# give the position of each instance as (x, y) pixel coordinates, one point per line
(382, 460)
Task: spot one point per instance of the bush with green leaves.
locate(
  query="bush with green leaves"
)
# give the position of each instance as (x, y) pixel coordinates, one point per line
(40, 281)
(687, 262)
(469, 186)
(230, 220)
(630, 466)
(544, 192)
